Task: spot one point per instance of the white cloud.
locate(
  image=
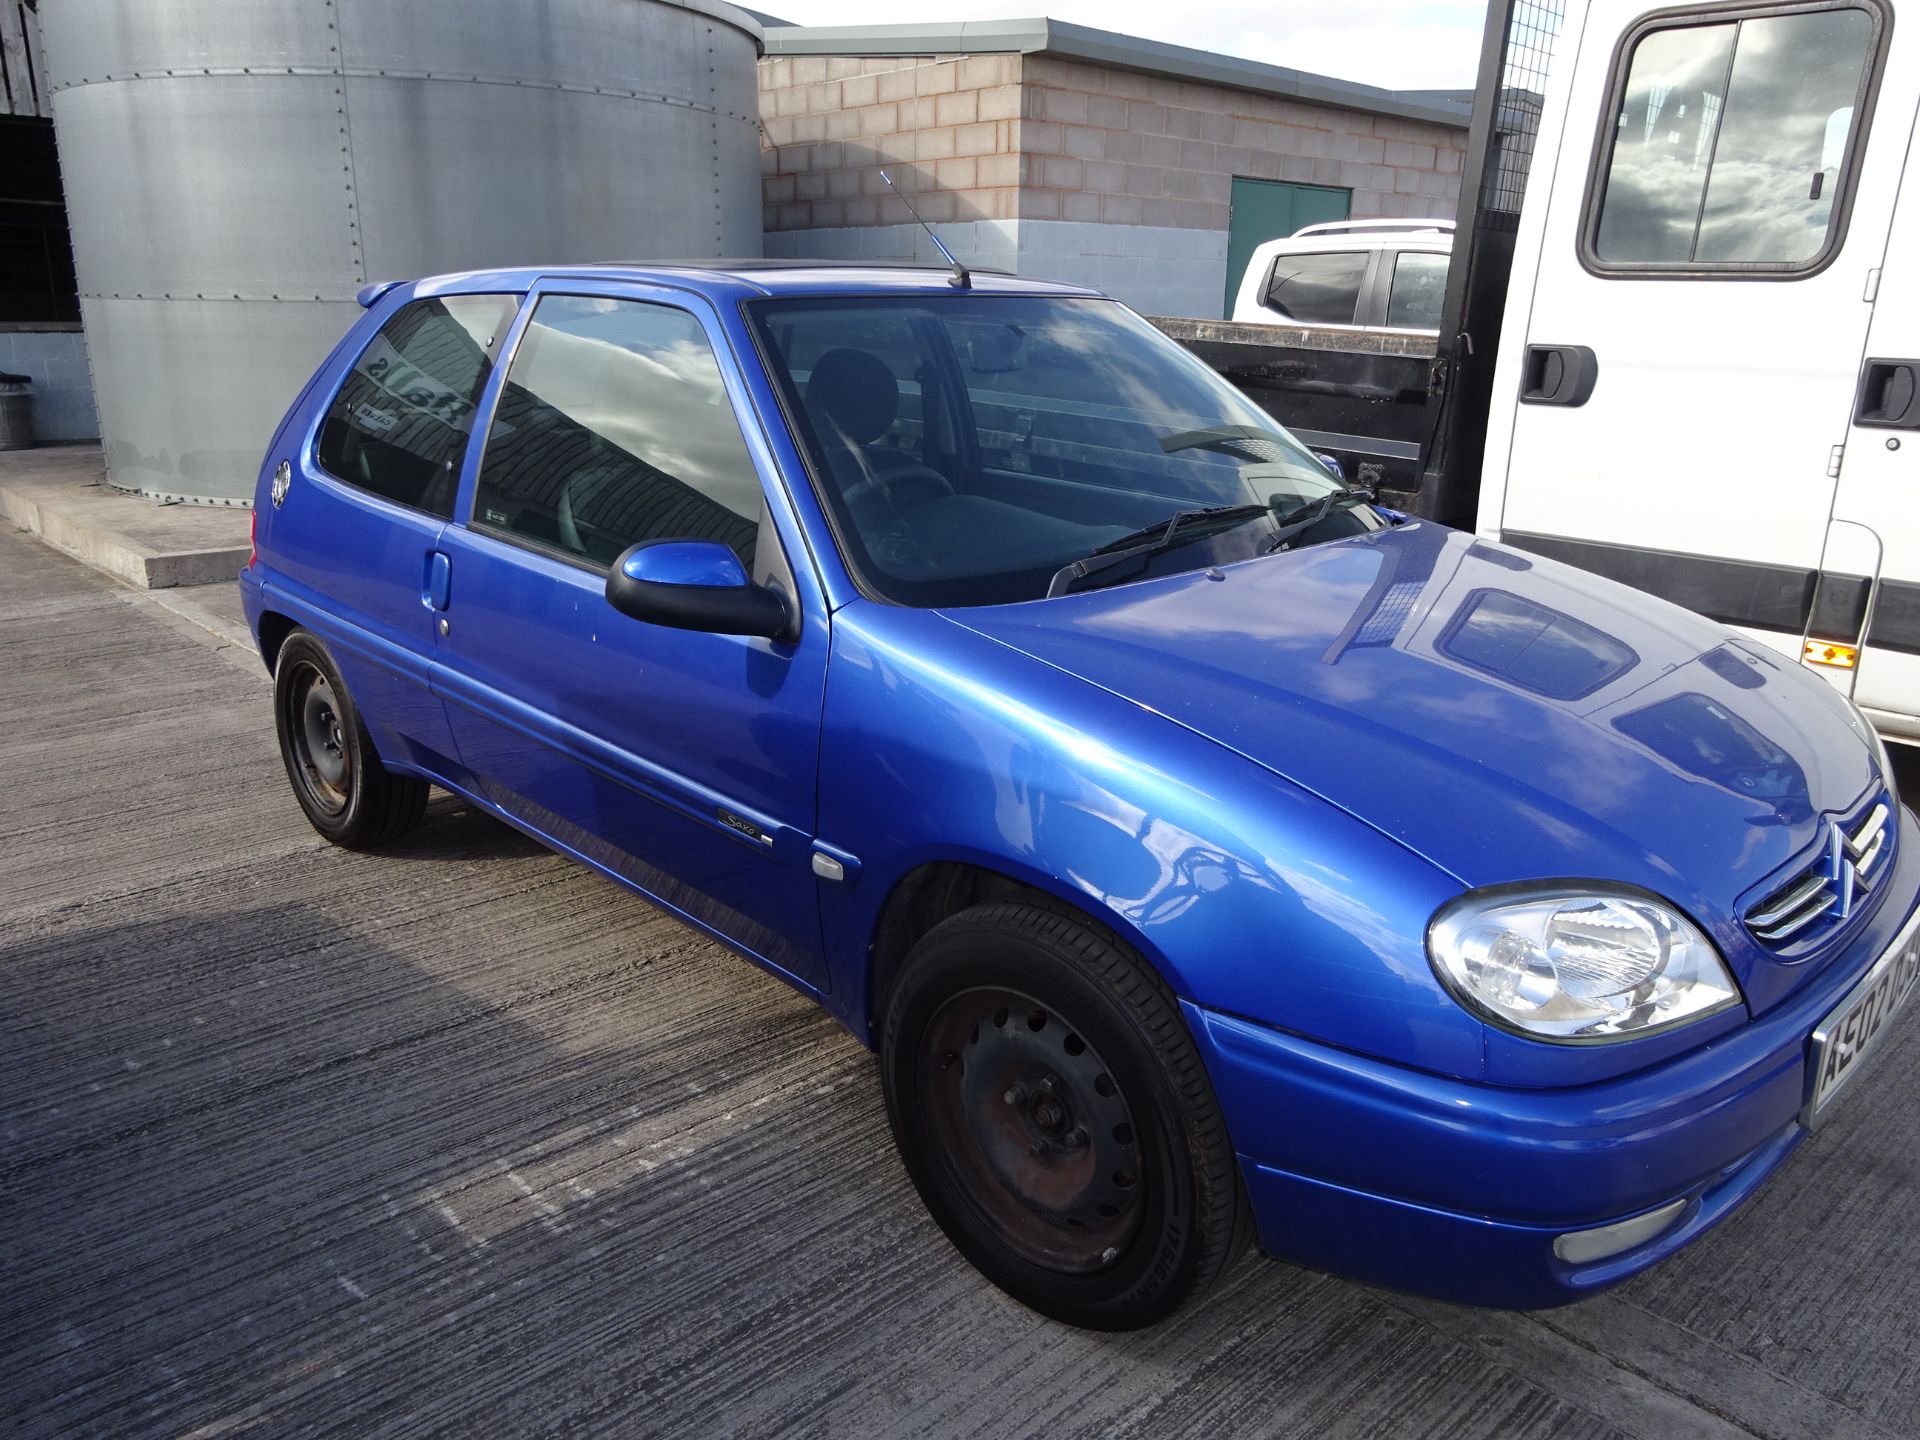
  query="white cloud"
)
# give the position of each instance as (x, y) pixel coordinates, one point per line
(1400, 44)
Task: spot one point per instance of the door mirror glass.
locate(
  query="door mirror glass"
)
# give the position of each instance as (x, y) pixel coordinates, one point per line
(696, 585)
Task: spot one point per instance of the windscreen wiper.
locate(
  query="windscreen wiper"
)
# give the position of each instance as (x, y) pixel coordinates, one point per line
(1313, 512)
(1179, 529)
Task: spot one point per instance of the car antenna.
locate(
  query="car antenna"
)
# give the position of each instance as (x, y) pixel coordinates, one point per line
(962, 277)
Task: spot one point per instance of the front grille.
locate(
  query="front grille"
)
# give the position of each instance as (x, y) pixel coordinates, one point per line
(1832, 885)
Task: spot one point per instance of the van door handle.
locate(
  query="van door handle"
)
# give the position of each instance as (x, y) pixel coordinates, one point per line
(437, 593)
(1558, 375)
(1888, 398)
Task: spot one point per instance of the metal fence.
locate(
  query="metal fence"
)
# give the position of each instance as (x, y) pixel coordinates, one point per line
(1516, 55)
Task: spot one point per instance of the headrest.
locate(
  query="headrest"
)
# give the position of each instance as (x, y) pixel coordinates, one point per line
(856, 391)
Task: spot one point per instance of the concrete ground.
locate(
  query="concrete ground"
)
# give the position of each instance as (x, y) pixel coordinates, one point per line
(462, 1139)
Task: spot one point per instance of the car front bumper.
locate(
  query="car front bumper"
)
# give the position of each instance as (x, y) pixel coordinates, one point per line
(1460, 1190)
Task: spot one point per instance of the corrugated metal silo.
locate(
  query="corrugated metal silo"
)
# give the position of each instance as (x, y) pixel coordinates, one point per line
(236, 169)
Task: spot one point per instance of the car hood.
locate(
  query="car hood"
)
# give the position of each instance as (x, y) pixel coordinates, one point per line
(1504, 716)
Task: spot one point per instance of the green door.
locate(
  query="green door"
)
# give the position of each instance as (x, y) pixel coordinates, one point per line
(1265, 210)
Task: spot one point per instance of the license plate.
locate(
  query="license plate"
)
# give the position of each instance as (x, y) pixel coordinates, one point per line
(1854, 1026)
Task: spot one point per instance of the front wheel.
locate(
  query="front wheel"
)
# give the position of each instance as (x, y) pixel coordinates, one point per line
(1054, 1114)
(347, 794)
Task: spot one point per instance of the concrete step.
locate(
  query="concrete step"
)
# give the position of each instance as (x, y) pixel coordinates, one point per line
(59, 494)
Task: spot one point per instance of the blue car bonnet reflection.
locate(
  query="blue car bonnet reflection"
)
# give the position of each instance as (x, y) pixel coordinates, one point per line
(1576, 752)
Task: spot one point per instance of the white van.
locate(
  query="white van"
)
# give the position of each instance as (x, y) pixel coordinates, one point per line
(1706, 377)
(1359, 274)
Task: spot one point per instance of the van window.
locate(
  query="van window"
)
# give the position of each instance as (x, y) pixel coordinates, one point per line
(398, 425)
(614, 426)
(1419, 288)
(1730, 142)
(1317, 289)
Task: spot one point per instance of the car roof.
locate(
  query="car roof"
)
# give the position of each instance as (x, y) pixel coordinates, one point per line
(749, 279)
(1437, 241)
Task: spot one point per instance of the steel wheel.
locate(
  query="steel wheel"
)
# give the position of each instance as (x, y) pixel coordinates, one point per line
(348, 795)
(319, 741)
(1054, 1115)
(1029, 1115)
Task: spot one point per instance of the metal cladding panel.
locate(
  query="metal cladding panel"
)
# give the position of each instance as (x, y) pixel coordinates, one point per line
(92, 40)
(190, 391)
(278, 155)
(207, 186)
(623, 47)
(566, 177)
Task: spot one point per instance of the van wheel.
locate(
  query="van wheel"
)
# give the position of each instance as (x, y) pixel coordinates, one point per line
(1054, 1114)
(350, 797)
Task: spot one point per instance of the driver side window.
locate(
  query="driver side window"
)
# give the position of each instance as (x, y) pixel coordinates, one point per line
(615, 426)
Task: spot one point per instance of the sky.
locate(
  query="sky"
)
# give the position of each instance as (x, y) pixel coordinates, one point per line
(1401, 44)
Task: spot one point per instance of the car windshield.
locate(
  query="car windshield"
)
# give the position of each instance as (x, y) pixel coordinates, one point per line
(968, 447)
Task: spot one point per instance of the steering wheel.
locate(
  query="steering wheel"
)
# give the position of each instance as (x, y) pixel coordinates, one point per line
(883, 483)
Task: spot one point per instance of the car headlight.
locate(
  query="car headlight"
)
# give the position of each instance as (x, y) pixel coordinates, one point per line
(1577, 964)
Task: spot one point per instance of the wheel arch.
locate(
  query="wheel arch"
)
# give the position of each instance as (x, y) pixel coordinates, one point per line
(272, 630)
(934, 890)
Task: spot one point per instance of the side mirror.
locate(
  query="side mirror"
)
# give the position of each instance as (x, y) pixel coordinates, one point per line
(696, 585)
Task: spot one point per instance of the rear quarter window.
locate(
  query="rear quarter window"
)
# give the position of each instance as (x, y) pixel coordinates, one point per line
(399, 424)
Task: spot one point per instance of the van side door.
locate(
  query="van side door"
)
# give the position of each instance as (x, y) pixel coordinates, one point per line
(1688, 302)
(1877, 510)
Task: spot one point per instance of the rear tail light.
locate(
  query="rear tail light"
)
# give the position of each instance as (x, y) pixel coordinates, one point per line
(253, 538)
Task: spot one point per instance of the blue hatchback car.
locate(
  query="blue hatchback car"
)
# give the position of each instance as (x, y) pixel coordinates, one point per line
(1207, 852)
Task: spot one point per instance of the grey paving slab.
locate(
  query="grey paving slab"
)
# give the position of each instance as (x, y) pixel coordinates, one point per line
(462, 1139)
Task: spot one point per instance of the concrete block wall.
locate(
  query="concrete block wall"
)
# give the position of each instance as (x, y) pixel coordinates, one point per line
(1158, 151)
(1100, 176)
(945, 127)
(56, 362)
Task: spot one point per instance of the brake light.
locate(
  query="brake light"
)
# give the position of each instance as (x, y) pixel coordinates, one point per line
(253, 538)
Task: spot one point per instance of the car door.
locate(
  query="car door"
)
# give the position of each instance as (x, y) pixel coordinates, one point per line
(1717, 202)
(356, 531)
(682, 761)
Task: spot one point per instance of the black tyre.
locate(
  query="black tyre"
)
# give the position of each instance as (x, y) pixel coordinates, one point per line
(1052, 1110)
(350, 797)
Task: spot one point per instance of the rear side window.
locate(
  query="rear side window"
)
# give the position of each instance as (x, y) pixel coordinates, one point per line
(614, 426)
(1317, 289)
(1419, 288)
(1732, 142)
(398, 426)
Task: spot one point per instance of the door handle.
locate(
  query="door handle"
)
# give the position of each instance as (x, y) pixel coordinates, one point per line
(1558, 375)
(1888, 398)
(437, 593)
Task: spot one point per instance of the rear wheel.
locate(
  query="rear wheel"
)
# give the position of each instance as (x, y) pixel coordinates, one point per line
(348, 795)
(1054, 1114)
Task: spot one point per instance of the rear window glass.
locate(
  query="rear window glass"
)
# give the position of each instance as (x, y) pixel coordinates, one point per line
(1317, 289)
(399, 425)
(1730, 141)
(1419, 288)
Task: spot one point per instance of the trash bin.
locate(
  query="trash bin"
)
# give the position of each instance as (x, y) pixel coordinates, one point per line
(16, 412)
